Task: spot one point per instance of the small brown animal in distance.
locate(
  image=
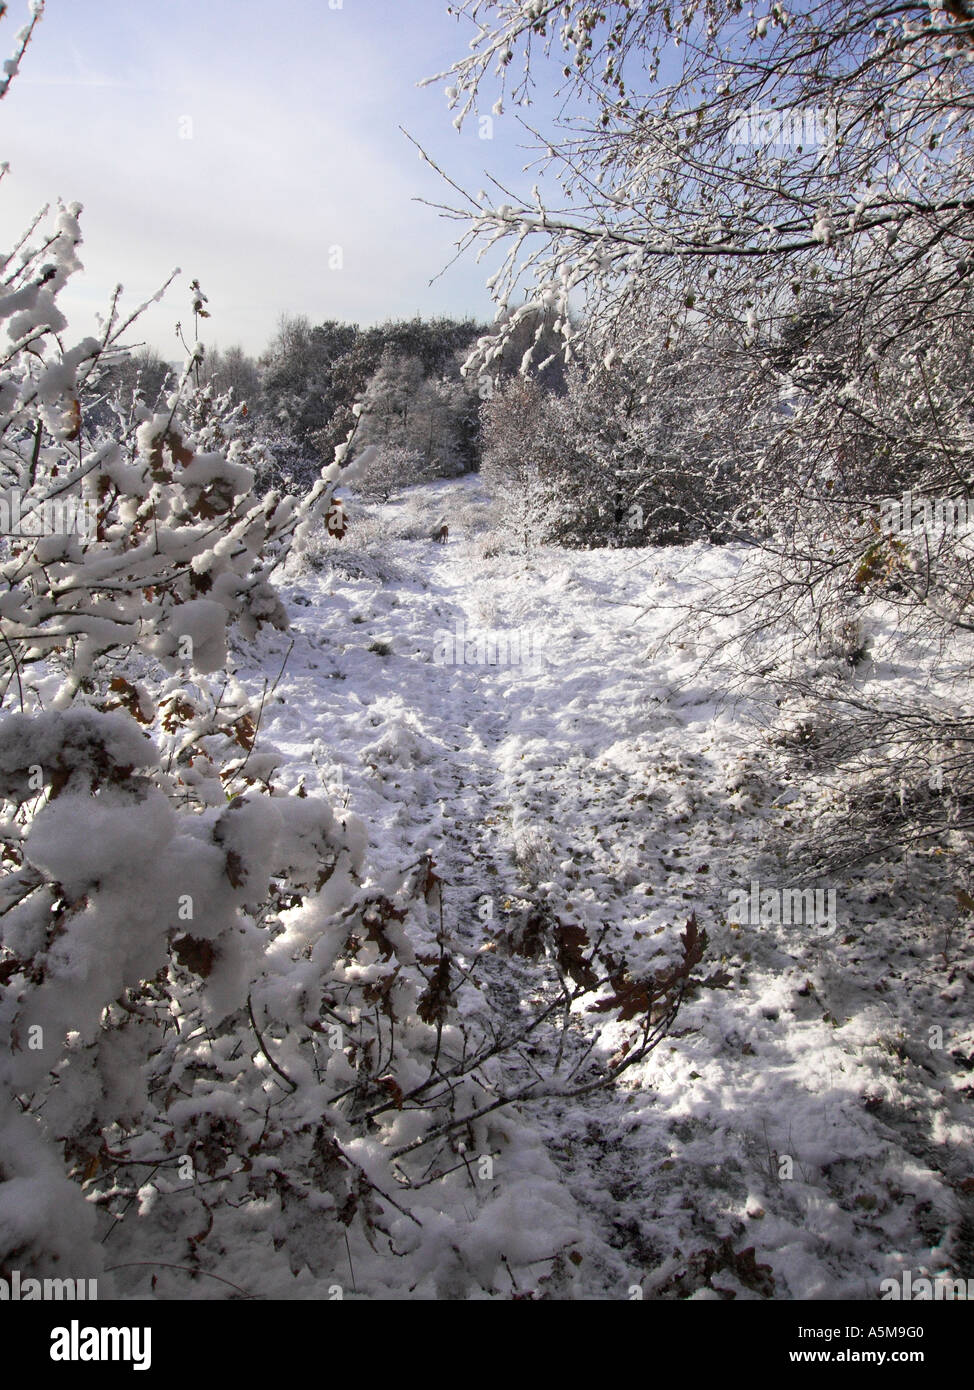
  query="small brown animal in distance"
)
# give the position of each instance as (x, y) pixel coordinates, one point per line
(440, 532)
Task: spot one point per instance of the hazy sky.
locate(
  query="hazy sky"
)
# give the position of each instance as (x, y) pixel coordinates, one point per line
(241, 140)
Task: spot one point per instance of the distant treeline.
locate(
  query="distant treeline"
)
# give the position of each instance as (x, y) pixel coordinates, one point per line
(404, 376)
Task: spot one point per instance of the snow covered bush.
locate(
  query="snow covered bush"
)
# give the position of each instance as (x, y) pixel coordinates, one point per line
(411, 427)
(134, 545)
(140, 533)
(630, 451)
(382, 469)
(527, 464)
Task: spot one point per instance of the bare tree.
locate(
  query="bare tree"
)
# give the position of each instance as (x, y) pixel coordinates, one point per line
(733, 162)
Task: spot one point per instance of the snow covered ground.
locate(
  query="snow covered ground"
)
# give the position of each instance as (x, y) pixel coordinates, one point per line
(797, 1136)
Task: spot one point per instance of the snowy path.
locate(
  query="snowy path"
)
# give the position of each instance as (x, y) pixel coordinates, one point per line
(797, 1109)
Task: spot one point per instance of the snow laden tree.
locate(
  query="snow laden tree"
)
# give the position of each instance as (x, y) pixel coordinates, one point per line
(654, 424)
(735, 157)
(794, 184)
(140, 375)
(532, 343)
(527, 462)
(411, 427)
(230, 369)
(303, 384)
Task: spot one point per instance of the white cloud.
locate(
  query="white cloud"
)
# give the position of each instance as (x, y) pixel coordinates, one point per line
(242, 155)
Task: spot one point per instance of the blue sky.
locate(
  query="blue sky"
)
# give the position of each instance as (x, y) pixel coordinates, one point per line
(292, 109)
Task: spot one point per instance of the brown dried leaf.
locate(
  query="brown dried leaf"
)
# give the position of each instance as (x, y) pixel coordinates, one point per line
(197, 956)
(570, 942)
(434, 1002)
(236, 872)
